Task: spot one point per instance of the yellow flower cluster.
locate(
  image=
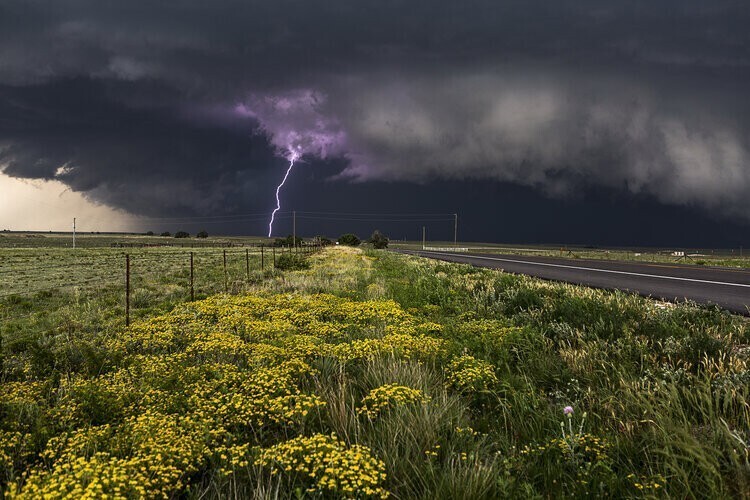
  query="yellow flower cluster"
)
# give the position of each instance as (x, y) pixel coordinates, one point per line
(232, 458)
(647, 484)
(484, 328)
(584, 447)
(19, 393)
(100, 476)
(13, 448)
(466, 431)
(198, 388)
(328, 466)
(433, 452)
(390, 396)
(591, 447)
(420, 347)
(147, 455)
(469, 374)
(269, 396)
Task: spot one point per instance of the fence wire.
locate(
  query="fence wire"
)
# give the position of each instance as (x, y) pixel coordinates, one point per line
(214, 270)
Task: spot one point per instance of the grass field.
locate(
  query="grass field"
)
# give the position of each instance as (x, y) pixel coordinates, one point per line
(370, 374)
(695, 256)
(106, 240)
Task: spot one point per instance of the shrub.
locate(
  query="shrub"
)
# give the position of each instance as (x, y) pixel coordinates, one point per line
(149, 233)
(181, 234)
(291, 262)
(288, 241)
(202, 234)
(166, 233)
(349, 239)
(379, 240)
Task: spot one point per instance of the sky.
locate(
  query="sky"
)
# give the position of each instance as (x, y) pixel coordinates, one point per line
(585, 121)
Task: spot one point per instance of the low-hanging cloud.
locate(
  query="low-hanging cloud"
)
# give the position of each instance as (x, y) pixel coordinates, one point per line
(558, 137)
(295, 125)
(561, 135)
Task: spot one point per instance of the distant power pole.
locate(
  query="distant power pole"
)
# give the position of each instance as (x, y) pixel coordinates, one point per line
(294, 229)
(455, 230)
(424, 236)
(74, 232)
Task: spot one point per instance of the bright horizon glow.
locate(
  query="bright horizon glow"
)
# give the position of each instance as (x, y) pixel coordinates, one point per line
(49, 205)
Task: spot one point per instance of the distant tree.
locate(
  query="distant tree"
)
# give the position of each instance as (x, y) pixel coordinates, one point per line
(166, 233)
(202, 234)
(287, 242)
(181, 234)
(149, 233)
(378, 240)
(349, 239)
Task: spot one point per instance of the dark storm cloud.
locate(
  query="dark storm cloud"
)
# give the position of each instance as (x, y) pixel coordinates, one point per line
(150, 106)
(143, 159)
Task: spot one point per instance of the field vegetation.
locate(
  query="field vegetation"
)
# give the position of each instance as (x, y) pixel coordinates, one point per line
(736, 258)
(19, 240)
(371, 375)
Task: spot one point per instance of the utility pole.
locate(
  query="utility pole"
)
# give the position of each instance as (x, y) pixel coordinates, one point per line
(455, 230)
(127, 289)
(294, 229)
(226, 282)
(424, 236)
(192, 281)
(74, 232)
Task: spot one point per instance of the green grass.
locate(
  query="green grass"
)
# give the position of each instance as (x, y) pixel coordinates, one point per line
(697, 257)
(660, 392)
(50, 239)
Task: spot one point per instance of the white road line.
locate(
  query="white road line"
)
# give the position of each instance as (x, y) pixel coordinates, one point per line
(676, 278)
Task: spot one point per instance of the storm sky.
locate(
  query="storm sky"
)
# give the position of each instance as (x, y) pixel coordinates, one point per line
(589, 121)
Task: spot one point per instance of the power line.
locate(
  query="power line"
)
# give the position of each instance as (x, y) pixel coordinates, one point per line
(255, 219)
(264, 215)
(253, 214)
(352, 219)
(384, 214)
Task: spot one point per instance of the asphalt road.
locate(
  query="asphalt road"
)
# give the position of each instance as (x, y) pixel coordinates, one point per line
(728, 288)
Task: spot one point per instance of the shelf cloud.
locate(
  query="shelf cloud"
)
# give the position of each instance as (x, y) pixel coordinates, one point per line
(163, 108)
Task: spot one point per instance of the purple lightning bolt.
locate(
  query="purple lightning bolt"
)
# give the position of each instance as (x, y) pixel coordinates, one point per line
(292, 158)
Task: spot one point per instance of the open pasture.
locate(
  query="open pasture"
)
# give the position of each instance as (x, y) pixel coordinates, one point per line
(368, 375)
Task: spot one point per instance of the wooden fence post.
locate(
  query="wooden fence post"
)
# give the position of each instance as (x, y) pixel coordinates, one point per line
(226, 284)
(192, 279)
(127, 289)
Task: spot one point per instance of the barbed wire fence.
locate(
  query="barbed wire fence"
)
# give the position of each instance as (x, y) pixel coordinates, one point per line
(137, 275)
(141, 276)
